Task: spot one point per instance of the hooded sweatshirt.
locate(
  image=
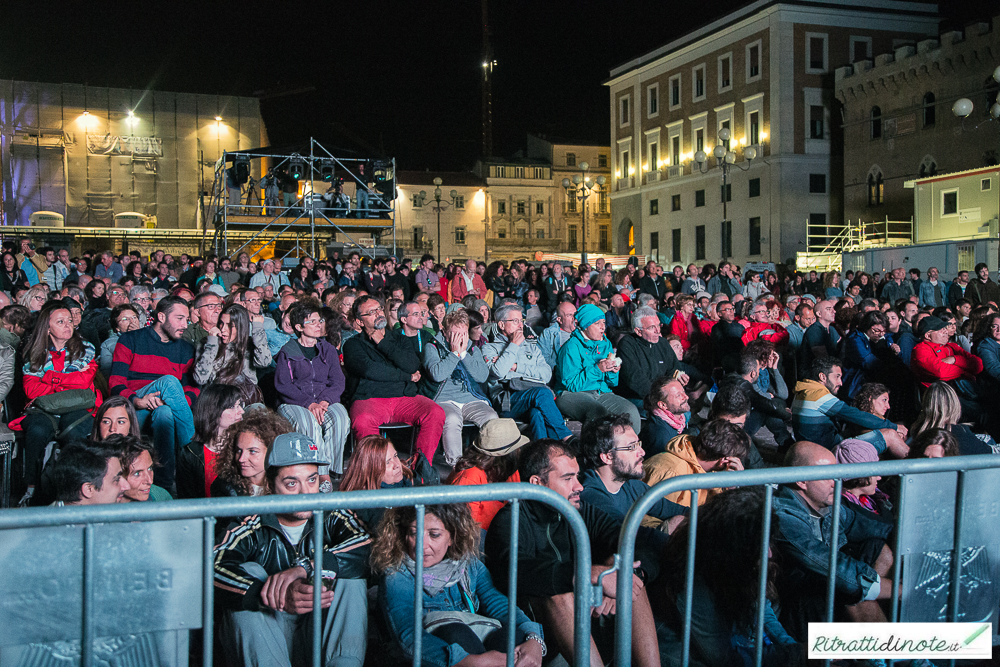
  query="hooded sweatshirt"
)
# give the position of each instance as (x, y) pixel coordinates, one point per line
(678, 459)
(814, 408)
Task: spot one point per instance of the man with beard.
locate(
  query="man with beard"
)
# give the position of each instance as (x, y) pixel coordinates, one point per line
(383, 370)
(152, 367)
(668, 409)
(612, 482)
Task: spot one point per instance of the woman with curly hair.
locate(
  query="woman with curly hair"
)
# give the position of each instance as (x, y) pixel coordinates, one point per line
(495, 280)
(465, 616)
(241, 463)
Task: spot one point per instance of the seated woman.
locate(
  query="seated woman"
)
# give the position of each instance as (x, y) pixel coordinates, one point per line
(56, 359)
(225, 356)
(309, 380)
(862, 494)
(219, 406)
(124, 317)
(934, 443)
(116, 416)
(941, 409)
(138, 458)
(726, 574)
(241, 463)
(465, 616)
(375, 464)
(492, 459)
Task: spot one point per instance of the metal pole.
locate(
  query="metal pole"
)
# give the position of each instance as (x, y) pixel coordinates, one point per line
(87, 635)
(418, 589)
(583, 253)
(312, 208)
(954, 586)
(515, 510)
(208, 593)
(317, 619)
(689, 580)
(437, 208)
(765, 548)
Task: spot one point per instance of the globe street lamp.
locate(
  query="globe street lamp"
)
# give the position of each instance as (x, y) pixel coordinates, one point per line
(439, 205)
(726, 159)
(962, 108)
(580, 187)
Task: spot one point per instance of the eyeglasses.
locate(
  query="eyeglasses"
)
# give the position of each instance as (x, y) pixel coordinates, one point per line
(377, 309)
(514, 321)
(318, 320)
(211, 306)
(630, 447)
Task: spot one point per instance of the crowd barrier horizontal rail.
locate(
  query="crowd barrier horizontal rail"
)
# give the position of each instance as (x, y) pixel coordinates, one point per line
(770, 478)
(318, 504)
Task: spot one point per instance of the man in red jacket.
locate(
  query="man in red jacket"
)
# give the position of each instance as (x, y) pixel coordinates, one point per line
(935, 359)
(761, 326)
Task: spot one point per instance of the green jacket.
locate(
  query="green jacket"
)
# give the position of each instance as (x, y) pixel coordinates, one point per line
(577, 365)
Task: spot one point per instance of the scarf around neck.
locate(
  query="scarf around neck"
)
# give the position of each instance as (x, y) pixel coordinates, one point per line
(447, 573)
(677, 422)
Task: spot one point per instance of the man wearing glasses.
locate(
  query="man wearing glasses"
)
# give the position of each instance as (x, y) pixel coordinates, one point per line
(205, 312)
(383, 370)
(96, 324)
(253, 301)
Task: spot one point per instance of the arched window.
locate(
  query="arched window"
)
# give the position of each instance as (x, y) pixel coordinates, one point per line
(928, 167)
(876, 123)
(876, 187)
(929, 111)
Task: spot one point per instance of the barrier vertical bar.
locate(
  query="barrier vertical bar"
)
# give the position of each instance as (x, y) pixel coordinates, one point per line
(515, 508)
(689, 579)
(418, 593)
(208, 592)
(831, 579)
(954, 586)
(762, 596)
(317, 583)
(897, 551)
(87, 599)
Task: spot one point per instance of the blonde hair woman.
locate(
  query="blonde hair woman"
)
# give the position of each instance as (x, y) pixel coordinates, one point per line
(942, 409)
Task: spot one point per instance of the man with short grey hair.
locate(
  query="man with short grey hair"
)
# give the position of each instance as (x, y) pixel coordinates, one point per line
(141, 297)
(556, 335)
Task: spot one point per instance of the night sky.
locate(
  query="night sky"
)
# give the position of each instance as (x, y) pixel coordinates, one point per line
(398, 78)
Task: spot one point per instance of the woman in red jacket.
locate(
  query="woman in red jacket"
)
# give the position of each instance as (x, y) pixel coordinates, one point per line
(684, 325)
(56, 359)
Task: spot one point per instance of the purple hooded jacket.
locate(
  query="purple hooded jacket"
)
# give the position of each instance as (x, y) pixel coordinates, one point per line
(303, 382)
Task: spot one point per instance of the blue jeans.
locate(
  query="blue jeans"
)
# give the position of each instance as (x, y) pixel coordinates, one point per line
(538, 408)
(172, 424)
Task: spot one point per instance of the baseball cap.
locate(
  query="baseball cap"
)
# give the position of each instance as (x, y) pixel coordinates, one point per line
(218, 290)
(702, 295)
(931, 323)
(500, 436)
(292, 449)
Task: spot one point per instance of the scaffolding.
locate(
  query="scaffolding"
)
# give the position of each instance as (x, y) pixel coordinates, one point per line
(371, 212)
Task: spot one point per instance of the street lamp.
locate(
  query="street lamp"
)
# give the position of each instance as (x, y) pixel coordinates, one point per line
(726, 160)
(439, 205)
(962, 108)
(580, 187)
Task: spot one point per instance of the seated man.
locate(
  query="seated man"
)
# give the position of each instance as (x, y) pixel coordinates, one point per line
(152, 367)
(765, 410)
(646, 356)
(719, 447)
(804, 516)
(936, 360)
(88, 475)
(612, 480)
(455, 369)
(588, 370)
(816, 405)
(668, 409)
(205, 312)
(519, 377)
(383, 370)
(545, 555)
(555, 336)
(727, 337)
(264, 571)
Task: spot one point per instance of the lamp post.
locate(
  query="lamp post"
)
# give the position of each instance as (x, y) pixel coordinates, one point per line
(580, 187)
(439, 205)
(962, 108)
(726, 160)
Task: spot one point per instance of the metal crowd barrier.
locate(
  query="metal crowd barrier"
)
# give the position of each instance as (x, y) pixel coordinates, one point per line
(207, 509)
(985, 499)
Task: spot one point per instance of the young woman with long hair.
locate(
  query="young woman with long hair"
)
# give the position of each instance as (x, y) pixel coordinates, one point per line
(489, 462)
(941, 409)
(242, 460)
(11, 275)
(56, 359)
(375, 464)
(116, 416)
(455, 580)
(495, 280)
(219, 406)
(232, 353)
(95, 293)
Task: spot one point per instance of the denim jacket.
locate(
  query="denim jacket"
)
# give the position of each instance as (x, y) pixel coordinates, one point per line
(805, 540)
(395, 597)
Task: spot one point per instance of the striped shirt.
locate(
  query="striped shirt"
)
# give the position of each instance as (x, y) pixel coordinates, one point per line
(141, 357)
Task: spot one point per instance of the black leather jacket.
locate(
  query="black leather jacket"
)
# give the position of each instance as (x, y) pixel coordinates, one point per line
(260, 539)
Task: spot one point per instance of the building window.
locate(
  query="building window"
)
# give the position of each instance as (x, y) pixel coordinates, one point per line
(725, 72)
(623, 111)
(754, 126)
(654, 247)
(460, 236)
(754, 236)
(985, 185)
(815, 53)
(699, 198)
(861, 48)
(654, 206)
(928, 167)
(817, 221)
(499, 171)
(654, 157)
(675, 92)
(754, 187)
(675, 151)
(876, 188)
(726, 193)
(929, 111)
(675, 202)
(417, 201)
(876, 122)
(571, 241)
(602, 161)
(540, 233)
(602, 201)
(699, 242)
(537, 172)
(626, 164)
(653, 100)
(698, 83)
(501, 208)
(817, 184)
(501, 233)
(522, 233)
(418, 238)
(966, 257)
(699, 139)
(727, 124)
(571, 202)
(675, 249)
(570, 159)
(753, 61)
(520, 208)
(518, 172)
(603, 239)
(816, 125)
(539, 208)
(949, 203)
(460, 202)
(727, 238)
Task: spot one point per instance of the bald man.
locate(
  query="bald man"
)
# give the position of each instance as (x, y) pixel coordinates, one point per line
(805, 515)
(468, 281)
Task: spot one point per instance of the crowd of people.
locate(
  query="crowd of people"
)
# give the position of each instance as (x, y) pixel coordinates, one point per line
(138, 379)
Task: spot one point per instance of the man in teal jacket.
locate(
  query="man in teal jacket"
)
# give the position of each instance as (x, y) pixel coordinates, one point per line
(587, 370)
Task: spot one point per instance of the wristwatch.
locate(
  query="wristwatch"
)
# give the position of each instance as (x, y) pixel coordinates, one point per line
(538, 638)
